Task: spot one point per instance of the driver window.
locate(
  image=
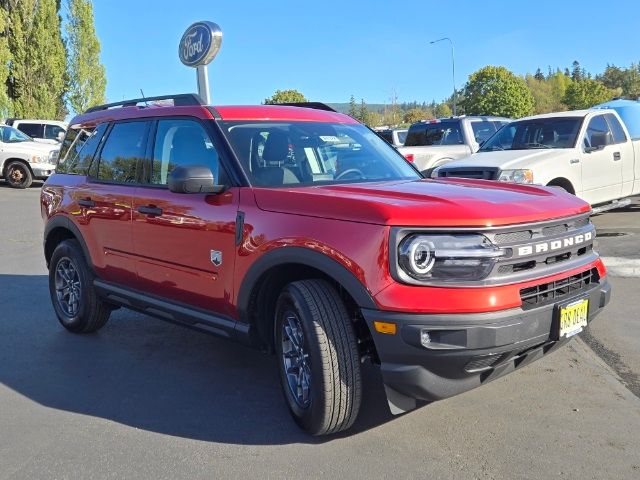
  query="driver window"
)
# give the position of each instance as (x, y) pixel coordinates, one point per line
(597, 129)
(181, 143)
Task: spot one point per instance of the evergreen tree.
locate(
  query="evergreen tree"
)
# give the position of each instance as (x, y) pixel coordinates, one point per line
(577, 73)
(539, 75)
(38, 59)
(363, 112)
(87, 78)
(353, 107)
(5, 57)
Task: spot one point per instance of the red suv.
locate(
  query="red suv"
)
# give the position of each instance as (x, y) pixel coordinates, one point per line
(300, 231)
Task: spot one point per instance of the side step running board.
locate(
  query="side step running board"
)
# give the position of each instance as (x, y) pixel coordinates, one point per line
(610, 206)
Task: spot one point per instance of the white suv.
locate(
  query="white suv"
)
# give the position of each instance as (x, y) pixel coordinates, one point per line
(22, 159)
(45, 131)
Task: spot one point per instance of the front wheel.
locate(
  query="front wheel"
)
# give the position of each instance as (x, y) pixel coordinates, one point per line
(18, 175)
(317, 357)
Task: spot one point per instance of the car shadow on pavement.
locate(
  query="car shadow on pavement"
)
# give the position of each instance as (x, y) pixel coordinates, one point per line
(152, 375)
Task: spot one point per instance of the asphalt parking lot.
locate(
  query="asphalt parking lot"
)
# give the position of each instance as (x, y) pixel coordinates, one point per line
(146, 399)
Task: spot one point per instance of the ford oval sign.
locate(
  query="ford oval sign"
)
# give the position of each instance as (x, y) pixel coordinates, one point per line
(200, 44)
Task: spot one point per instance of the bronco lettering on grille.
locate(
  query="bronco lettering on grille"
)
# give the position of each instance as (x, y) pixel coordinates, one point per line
(553, 245)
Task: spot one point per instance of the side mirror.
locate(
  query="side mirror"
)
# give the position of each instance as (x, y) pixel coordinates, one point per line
(193, 179)
(60, 137)
(599, 140)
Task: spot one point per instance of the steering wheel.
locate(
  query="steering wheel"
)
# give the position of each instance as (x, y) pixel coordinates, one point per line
(349, 171)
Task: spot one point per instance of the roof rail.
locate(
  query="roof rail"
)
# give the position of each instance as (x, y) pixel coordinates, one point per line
(314, 105)
(179, 100)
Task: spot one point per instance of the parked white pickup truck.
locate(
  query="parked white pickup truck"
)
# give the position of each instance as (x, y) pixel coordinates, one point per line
(432, 143)
(588, 153)
(22, 160)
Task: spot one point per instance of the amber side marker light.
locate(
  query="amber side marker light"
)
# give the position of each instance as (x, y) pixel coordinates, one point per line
(385, 327)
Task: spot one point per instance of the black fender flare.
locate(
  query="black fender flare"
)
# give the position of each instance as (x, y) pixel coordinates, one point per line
(61, 221)
(307, 257)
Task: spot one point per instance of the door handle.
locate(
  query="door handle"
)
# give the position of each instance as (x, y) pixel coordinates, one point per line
(616, 156)
(86, 202)
(574, 160)
(150, 210)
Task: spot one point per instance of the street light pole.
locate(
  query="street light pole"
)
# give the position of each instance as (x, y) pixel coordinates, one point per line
(453, 68)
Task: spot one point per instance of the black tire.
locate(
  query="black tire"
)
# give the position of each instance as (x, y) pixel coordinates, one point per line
(18, 175)
(332, 360)
(79, 309)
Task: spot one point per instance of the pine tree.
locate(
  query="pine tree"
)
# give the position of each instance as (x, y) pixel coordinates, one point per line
(363, 112)
(539, 75)
(87, 79)
(353, 108)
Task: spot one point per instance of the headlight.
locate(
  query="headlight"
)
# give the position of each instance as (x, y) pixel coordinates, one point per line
(38, 159)
(53, 155)
(516, 176)
(446, 258)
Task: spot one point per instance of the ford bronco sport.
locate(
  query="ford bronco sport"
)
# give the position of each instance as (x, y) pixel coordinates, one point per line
(300, 231)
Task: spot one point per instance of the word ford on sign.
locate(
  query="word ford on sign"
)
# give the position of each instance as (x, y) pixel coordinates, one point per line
(200, 44)
(191, 47)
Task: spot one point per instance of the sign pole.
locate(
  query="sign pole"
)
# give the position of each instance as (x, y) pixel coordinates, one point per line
(198, 46)
(203, 84)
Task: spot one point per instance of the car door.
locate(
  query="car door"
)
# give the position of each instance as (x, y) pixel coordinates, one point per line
(105, 201)
(601, 167)
(185, 243)
(623, 151)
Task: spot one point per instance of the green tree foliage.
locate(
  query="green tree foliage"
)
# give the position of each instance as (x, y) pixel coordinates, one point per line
(443, 110)
(87, 78)
(586, 93)
(497, 91)
(548, 93)
(415, 114)
(625, 81)
(5, 57)
(285, 96)
(38, 59)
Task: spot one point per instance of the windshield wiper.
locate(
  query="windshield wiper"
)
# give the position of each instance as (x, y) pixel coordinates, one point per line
(536, 145)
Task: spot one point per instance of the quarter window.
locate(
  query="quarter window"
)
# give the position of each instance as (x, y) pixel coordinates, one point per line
(180, 143)
(124, 148)
(81, 146)
(616, 129)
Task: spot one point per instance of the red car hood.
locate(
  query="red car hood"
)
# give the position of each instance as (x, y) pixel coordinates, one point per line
(429, 203)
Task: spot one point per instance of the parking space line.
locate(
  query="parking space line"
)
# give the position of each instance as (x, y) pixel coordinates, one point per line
(622, 267)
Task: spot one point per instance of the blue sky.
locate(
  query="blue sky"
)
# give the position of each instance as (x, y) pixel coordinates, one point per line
(331, 49)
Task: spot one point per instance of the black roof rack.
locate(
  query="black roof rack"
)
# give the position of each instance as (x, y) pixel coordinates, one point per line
(315, 105)
(179, 100)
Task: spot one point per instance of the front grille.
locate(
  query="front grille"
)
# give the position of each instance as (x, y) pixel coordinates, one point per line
(548, 293)
(513, 237)
(475, 173)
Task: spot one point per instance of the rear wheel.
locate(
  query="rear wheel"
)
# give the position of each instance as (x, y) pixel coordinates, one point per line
(18, 175)
(317, 357)
(75, 301)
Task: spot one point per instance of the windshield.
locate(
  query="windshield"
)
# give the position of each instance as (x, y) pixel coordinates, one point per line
(536, 133)
(13, 135)
(277, 154)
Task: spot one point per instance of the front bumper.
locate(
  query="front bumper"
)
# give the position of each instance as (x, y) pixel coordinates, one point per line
(466, 350)
(42, 171)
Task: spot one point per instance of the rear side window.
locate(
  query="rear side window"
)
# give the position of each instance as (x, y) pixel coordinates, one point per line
(122, 152)
(616, 129)
(34, 130)
(444, 133)
(180, 143)
(79, 148)
(386, 135)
